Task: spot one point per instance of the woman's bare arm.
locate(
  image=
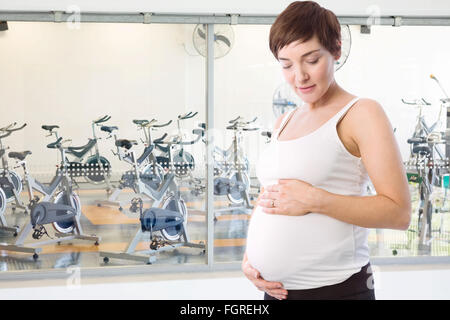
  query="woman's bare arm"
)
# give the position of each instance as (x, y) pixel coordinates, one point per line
(391, 207)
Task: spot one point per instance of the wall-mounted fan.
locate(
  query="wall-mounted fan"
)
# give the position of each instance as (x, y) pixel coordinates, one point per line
(223, 39)
(346, 43)
(284, 99)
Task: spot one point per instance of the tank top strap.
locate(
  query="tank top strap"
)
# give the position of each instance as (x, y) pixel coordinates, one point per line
(338, 117)
(285, 121)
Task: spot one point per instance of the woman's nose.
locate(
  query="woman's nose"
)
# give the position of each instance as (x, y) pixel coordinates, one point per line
(300, 76)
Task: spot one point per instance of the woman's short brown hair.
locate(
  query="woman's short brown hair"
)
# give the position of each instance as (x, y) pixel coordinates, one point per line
(300, 21)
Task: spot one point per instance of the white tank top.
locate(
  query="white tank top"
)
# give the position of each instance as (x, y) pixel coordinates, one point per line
(313, 250)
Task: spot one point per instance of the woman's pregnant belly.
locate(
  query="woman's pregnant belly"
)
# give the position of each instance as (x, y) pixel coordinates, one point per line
(289, 249)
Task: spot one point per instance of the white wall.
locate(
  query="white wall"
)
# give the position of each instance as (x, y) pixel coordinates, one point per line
(393, 284)
(51, 74)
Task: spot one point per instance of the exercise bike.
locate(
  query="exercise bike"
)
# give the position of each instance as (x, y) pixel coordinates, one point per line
(152, 167)
(10, 181)
(232, 167)
(139, 179)
(421, 129)
(168, 214)
(427, 178)
(426, 167)
(96, 169)
(63, 213)
(182, 160)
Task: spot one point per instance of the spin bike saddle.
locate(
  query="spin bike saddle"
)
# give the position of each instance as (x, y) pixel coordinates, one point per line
(267, 134)
(19, 155)
(423, 150)
(416, 140)
(140, 122)
(49, 128)
(108, 129)
(124, 143)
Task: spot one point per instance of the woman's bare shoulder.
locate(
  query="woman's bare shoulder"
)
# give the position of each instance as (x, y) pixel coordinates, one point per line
(280, 120)
(364, 110)
(367, 117)
(367, 104)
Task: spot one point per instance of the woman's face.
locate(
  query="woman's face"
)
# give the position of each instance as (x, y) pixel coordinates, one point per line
(308, 67)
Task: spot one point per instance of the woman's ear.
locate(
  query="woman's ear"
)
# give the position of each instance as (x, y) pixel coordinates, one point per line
(338, 53)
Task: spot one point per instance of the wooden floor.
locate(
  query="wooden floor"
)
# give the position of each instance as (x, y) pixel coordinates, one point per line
(104, 216)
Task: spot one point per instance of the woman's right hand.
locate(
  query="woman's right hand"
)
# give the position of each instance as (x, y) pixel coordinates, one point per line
(272, 288)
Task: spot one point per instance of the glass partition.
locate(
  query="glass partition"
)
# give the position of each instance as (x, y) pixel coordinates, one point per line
(244, 81)
(102, 128)
(405, 70)
(122, 104)
(387, 65)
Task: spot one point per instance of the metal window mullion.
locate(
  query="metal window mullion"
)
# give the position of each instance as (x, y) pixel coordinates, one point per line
(210, 143)
(152, 17)
(383, 21)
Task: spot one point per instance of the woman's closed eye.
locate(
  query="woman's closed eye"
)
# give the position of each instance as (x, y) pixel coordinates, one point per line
(313, 61)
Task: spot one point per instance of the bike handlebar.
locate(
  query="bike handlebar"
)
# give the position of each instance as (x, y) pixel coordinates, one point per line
(240, 118)
(440, 86)
(55, 144)
(197, 132)
(8, 126)
(17, 129)
(8, 131)
(162, 125)
(187, 115)
(5, 135)
(149, 123)
(416, 102)
(234, 120)
(102, 119)
(159, 140)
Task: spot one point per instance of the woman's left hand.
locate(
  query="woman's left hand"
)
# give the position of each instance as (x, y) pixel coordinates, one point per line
(289, 197)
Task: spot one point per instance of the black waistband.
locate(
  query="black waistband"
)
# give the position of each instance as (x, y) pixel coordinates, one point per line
(359, 285)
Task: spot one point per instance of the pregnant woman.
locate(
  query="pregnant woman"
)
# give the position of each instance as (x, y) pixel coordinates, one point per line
(307, 237)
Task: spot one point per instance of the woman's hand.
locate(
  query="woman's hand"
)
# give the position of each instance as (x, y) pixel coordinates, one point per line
(274, 289)
(289, 197)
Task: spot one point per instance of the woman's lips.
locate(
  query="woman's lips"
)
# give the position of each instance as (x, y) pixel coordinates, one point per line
(307, 89)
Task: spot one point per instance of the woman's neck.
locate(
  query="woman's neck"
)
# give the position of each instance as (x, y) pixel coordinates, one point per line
(330, 95)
